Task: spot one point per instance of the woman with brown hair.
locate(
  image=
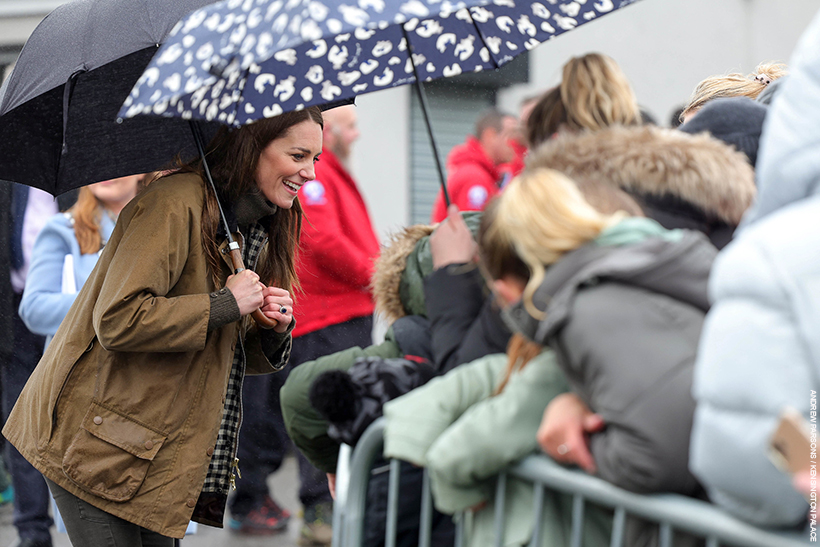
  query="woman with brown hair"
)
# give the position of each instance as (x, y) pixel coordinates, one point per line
(132, 415)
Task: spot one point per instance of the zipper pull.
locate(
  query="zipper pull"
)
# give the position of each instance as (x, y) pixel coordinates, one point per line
(236, 474)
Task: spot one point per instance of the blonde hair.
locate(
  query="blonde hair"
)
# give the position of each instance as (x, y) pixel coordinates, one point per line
(594, 94)
(540, 216)
(734, 85)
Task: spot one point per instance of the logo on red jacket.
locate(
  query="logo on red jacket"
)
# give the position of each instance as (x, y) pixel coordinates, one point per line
(314, 193)
(477, 196)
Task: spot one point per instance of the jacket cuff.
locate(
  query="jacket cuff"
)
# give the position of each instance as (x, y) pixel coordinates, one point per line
(276, 345)
(224, 309)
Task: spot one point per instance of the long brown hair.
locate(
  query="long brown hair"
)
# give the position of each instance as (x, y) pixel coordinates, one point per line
(233, 157)
(87, 213)
(520, 351)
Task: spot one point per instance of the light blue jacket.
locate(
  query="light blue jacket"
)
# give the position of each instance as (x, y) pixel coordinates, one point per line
(760, 348)
(44, 305)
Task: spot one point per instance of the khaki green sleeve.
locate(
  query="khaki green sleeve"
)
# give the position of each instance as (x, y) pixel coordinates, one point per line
(306, 428)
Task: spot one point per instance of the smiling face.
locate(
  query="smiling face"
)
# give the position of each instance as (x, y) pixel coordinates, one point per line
(286, 163)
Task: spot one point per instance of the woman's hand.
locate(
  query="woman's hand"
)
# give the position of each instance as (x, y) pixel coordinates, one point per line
(331, 484)
(452, 242)
(275, 301)
(247, 290)
(564, 431)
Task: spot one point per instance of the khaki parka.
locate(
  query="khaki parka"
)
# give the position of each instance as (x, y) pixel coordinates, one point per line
(124, 408)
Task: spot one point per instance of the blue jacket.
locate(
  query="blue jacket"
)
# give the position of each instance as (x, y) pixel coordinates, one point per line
(760, 350)
(44, 305)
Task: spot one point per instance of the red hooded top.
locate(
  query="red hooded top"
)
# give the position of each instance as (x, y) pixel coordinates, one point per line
(515, 166)
(473, 179)
(337, 250)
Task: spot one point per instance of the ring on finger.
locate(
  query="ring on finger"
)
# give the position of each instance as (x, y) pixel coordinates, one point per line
(283, 310)
(562, 449)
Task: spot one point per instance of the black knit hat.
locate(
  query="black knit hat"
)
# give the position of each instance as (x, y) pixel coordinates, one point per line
(737, 121)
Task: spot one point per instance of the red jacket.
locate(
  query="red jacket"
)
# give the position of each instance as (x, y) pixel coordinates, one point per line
(473, 179)
(515, 167)
(337, 250)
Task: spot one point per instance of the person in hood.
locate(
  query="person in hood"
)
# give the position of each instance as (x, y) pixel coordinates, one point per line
(473, 167)
(621, 302)
(694, 182)
(760, 352)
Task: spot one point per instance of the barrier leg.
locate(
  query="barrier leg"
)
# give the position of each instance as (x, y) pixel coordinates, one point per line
(537, 514)
(392, 504)
(577, 520)
(426, 520)
(618, 525)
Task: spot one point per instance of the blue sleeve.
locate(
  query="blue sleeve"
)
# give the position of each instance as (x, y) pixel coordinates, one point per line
(44, 306)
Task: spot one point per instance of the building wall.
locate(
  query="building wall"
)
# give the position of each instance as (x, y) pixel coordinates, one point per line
(665, 47)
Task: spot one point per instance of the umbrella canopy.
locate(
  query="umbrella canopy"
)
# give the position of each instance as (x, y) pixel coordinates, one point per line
(242, 60)
(58, 108)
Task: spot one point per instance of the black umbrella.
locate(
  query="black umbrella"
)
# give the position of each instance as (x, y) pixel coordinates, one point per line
(58, 109)
(59, 105)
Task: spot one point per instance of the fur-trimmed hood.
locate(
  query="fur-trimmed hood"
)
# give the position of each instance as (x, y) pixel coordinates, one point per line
(398, 281)
(651, 161)
(389, 270)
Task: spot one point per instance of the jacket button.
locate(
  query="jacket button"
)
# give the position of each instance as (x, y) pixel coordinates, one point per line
(98, 420)
(149, 445)
(191, 502)
(210, 451)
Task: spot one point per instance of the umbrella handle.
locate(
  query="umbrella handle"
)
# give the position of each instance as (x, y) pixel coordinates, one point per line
(261, 319)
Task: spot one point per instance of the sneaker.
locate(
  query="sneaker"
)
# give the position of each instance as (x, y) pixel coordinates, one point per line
(267, 519)
(317, 530)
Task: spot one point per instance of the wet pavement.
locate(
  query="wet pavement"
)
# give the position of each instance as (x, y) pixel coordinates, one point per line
(284, 486)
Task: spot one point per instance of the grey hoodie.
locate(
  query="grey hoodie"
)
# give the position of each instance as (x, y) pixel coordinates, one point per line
(624, 322)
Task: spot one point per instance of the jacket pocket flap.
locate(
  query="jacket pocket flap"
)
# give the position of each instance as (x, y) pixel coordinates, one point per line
(123, 432)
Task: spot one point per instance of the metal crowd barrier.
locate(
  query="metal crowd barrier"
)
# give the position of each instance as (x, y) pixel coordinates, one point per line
(670, 512)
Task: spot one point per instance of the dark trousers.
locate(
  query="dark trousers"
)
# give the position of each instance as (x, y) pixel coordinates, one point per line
(87, 525)
(31, 499)
(263, 440)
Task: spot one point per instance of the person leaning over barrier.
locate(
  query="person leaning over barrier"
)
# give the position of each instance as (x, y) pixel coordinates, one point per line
(132, 413)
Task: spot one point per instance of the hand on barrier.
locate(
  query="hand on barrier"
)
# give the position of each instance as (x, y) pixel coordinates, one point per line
(564, 431)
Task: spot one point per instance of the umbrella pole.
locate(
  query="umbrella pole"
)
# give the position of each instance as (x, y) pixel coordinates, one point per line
(423, 101)
(236, 256)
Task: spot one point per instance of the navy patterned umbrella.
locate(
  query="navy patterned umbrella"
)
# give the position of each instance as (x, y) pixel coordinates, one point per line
(238, 61)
